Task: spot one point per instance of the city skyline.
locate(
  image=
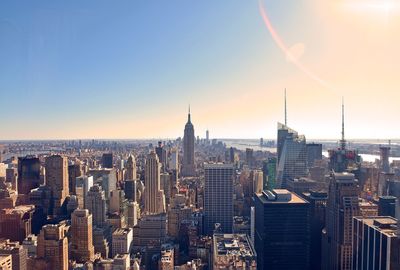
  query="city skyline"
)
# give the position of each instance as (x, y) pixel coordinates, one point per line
(74, 70)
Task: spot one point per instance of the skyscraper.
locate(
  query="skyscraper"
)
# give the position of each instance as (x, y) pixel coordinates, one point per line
(130, 173)
(341, 206)
(130, 188)
(282, 230)
(173, 163)
(53, 246)
(387, 206)
(376, 243)
(82, 187)
(317, 200)
(384, 158)
(95, 202)
(293, 157)
(162, 155)
(269, 174)
(57, 180)
(314, 152)
(218, 197)
(154, 196)
(249, 157)
(107, 160)
(82, 249)
(341, 159)
(188, 167)
(28, 174)
(74, 171)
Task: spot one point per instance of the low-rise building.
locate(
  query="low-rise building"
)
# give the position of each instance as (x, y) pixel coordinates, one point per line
(233, 251)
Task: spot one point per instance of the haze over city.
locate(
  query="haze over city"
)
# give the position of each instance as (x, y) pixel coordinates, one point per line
(97, 69)
(199, 135)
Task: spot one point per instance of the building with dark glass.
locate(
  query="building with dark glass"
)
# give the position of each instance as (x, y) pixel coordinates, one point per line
(282, 230)
(387, 206)
(317, 200)
(107, 160)
(28, 174)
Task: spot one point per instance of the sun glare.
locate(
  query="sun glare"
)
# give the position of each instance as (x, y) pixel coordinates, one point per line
(381, 6)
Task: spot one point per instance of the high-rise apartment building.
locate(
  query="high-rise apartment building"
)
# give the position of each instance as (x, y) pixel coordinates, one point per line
(28, 174)
(53, 246)
(57, 180)
(188, 166)
(342, 206)
(95, 202)
(82, 249)
(154, 196)
(282, 230)
(218, 197)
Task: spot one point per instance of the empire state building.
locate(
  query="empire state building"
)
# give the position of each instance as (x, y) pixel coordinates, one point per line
(188, 168)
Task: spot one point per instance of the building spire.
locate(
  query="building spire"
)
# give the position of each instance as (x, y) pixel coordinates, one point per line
(343, 141)
(189, 114)
(285, 110)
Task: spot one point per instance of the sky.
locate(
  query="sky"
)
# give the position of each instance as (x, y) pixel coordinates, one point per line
(130, 68)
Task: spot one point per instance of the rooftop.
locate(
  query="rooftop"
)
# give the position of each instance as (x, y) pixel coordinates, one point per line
(121, 231)
(279, 196)
(233, 245)
(385, 225)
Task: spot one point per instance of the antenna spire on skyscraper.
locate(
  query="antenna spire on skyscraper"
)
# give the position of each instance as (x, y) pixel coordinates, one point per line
(189, 114)
(343, 141)
(285, 110)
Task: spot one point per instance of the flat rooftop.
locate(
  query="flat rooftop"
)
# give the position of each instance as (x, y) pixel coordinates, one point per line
(280, 196)
(233, 245)
(385, 225)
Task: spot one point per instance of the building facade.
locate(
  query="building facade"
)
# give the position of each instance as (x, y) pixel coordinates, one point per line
(218, 197)
(282, 230)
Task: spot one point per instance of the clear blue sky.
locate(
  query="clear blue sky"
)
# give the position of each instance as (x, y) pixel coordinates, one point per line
(106, 69)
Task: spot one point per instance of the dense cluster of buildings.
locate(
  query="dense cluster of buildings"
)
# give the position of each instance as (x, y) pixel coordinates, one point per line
(195, 203)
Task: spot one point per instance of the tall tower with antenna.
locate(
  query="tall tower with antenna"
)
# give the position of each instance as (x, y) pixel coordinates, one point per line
(343, 141)
(188, 166)
(285, 109)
